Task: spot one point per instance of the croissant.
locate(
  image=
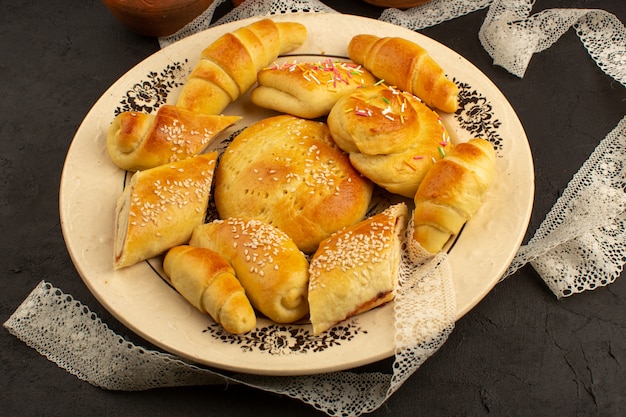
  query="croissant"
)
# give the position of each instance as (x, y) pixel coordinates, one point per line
(451, 193)
(267, 262)
(228, 67)
(407, 66)
(138, 141)
(208, 282)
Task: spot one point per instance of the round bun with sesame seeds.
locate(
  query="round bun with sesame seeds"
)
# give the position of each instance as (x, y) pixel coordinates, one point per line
(391, 136)
(288, 172)
(270, 267)
(357, 268)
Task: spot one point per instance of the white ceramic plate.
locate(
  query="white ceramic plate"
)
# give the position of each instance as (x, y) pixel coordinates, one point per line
(139, 297)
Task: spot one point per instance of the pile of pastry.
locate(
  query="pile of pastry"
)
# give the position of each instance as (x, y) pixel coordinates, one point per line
(294, 240)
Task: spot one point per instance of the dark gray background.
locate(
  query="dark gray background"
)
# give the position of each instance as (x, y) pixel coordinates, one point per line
(520, 352)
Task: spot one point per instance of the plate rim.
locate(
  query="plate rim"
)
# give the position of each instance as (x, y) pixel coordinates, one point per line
(295, 16)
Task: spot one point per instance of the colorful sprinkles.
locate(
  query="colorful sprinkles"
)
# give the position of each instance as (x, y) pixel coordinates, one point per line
(328, 72)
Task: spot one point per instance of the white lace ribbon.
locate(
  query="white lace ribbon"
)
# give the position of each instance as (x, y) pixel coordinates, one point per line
(432, 13)
(512, 36)
(69, 334)
(581, 244)
(245, 10)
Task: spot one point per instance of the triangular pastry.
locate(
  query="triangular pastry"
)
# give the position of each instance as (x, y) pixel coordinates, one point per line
(356, 269)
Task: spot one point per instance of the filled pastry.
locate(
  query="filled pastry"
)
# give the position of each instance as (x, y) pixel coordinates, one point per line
(160, 207)
(308, 89)
(391, 136)
(288, 172)
(138, 141)
(270, 267)
(357, 268)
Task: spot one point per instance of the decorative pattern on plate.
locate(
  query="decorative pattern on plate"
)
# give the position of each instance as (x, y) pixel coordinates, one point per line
(147, 95)
(276, 339)
(475, 114)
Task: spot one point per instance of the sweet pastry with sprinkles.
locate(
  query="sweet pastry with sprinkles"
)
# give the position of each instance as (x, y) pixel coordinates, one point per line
(391, 136)
(308, 89)
(138, 141)
(356, 269)
(407, 66)
(450, 194)
(269, 265)
(205, 279)
(228, 67)
(160, 207)
(287, 171)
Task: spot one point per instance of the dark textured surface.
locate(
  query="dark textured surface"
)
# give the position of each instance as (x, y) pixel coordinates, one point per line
(520, 352)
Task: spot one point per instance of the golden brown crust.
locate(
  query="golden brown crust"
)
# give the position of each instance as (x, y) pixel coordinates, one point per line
(160, 207)
(138, 141)
(228, 67)
(287, 172)
(392, 137)
(208, 282)
(452, 192)
(408, 66)
(356, 269)
(308, 89)
(267, 262)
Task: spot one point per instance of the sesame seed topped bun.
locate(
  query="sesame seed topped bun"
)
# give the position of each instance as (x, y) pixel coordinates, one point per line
(288, 172)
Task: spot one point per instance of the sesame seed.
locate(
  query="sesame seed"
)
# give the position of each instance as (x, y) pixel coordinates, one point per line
(348, 251)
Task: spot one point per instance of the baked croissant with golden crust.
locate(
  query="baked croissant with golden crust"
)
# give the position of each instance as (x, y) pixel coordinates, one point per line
(407, 66)
(228, 67)
(205, 279)
(451, 193)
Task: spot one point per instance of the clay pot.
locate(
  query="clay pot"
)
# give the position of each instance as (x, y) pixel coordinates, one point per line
(156, 17)
(397, 4)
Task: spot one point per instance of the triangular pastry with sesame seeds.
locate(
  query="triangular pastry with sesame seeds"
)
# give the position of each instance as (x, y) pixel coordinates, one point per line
(356, 269)
(138, 141)
(160, 207)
